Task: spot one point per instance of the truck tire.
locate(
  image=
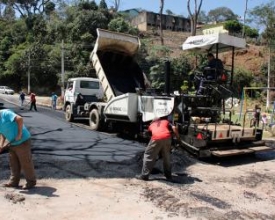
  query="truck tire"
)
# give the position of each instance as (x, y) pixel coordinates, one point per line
(94, 120)
(68, 113)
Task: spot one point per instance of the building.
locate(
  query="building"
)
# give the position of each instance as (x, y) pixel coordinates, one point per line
(145, 20)
(214, 30)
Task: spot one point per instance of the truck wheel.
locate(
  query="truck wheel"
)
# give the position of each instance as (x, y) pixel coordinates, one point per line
(94, 120)
(68, 113)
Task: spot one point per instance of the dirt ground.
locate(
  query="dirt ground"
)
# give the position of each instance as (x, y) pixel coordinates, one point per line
(234, 188)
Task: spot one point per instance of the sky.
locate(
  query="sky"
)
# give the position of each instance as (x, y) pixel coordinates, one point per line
(179, 7)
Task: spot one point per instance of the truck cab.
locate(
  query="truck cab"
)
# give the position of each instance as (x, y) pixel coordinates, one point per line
(88, 87)
(79, 91)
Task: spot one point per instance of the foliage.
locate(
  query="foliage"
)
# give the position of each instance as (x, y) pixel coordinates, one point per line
(103, 5)
(179, 69)
(251, 32)
(203, 17)
(221, 14)
(233, 26)
(264, 16)
(242, 78)
(120, 25)
(157, 76)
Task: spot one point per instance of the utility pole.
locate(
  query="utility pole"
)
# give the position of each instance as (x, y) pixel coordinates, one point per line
(62, 70)
(29, 74)
(268, 79)
(244, 16)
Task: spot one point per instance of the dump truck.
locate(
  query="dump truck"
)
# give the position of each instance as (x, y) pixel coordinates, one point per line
(205, 122)
(127, 104)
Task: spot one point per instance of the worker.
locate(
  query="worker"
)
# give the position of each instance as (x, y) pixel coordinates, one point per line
(160, 143)
(22, 99)
(264, 121)
(33, 101)
(212, 71)
(214, 64)
(256, 116)
(14, 131)
(54, 100)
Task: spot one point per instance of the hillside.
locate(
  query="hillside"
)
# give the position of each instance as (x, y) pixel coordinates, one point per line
(251, 58)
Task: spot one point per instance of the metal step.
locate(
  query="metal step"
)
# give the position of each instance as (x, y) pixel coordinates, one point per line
(232, 152)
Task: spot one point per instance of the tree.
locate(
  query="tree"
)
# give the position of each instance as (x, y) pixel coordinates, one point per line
(116, 4)
(102, 4)
(203, 17)
(194, 15)
(244, 17)
(9, 13)
(233, 26)
(221, 14)
(27, 8)
(264, 16)
(169, 12)
(250, 32)
(120, 25)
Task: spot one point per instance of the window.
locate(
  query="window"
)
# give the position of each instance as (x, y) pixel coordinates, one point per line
(89, 85)
(70, 85)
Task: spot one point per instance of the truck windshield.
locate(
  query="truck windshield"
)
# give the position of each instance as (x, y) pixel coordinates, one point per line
(89, 85)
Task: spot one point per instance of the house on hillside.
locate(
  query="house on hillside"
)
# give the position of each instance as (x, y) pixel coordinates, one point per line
(146, 20)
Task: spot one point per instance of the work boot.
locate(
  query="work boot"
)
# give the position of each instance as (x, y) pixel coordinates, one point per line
(142, 177)
(169, 178)
(10, 185)
(28, 186)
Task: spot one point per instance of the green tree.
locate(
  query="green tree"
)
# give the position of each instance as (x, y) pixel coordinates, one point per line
(120, 25)
(9, 13)
(233, 26)
(242, 78)
(251, 32)
(103, 5)
(87, 5)
(26, 8)
(221, 14)
(264, 16)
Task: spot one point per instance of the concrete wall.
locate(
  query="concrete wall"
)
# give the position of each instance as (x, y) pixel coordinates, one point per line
(146, 20)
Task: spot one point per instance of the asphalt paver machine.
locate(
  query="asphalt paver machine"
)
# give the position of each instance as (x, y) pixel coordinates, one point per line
(204, 121)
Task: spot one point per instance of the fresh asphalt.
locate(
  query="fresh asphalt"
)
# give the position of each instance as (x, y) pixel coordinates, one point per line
(53, 136)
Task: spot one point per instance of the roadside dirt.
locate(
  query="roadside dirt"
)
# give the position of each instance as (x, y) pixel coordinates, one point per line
(232, 188)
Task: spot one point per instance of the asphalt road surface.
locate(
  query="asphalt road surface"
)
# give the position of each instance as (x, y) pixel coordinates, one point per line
(53, 136)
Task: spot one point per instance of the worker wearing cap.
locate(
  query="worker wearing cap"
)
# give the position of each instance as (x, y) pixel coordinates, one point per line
(160, 143)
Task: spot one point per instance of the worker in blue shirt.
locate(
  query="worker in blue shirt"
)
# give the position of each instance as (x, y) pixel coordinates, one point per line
(14, 132)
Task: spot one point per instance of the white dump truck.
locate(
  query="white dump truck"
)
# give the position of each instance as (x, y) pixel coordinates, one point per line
(127, 105)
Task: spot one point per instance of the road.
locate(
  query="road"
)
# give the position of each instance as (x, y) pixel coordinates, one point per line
(73, 184)
(52, 135)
